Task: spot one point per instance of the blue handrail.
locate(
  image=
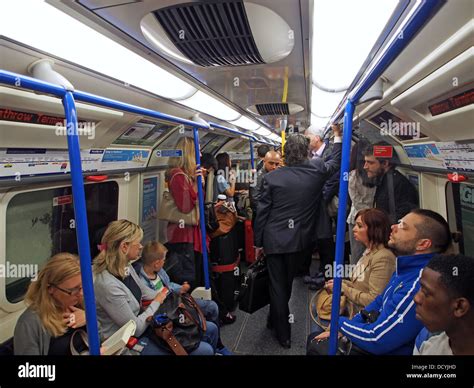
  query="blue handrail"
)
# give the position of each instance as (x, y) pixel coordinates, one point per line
(202, 221)
(82, 234)
(80, 215)
(424, 12)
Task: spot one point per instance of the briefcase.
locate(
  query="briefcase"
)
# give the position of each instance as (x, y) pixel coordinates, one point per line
(254, 290)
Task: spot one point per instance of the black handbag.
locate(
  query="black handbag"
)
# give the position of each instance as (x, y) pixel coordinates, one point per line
(254, 289)
(178, 324)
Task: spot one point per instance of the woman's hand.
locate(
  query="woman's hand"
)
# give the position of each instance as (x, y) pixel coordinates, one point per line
(324, 336)
(75, 317)
(329, 285)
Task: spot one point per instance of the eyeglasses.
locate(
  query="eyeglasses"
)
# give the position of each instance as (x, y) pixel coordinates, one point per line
(70, 291)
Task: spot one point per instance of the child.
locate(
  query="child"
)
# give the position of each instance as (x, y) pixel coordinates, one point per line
(151, 272)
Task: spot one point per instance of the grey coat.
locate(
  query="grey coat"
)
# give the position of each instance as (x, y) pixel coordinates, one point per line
(116, 304)
(30, 337)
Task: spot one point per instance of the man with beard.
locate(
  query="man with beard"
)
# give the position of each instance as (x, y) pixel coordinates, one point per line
(388, 325)
(394, 194)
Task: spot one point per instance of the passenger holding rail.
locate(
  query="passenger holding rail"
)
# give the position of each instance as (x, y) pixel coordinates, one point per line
(285, 221)
(324, 241)
(120, 292)
(394, 193)
(55, 310)
(445, 305)
(184, 241)
(388, 325)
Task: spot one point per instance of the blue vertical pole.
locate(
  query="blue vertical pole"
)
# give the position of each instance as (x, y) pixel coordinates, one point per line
(341, 226)
(82, 233)
(202, 221)
(252, 158)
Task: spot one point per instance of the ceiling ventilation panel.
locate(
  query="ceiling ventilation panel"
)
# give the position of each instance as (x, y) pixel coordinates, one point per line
(275, 109)
(219, 33)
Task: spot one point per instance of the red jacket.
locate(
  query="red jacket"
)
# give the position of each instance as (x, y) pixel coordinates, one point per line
(185, 197)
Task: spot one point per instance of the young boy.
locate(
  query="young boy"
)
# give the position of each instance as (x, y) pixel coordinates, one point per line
(151, 272)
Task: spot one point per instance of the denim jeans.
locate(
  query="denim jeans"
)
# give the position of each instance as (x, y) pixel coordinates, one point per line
(207, 347)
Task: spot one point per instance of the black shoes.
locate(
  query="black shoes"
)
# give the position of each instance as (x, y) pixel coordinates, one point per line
(285, 343)
(228, 319)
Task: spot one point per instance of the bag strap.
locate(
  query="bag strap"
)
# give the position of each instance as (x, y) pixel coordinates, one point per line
(391, 197)
(165, 332)
(226, 267)
(84, 338)
(193, 303)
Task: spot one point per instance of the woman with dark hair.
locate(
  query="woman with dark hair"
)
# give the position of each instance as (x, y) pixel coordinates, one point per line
(377, 264)
(225, 176)
(361, 192)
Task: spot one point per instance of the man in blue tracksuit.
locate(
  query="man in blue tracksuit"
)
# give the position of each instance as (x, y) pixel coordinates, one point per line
(388, 325)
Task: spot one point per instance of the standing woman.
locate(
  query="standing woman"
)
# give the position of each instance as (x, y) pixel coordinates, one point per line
(225, 186)
(119, 291)
(55, 310)
(184, 241)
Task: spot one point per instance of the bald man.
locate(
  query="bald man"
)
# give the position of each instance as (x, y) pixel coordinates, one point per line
(271, 162)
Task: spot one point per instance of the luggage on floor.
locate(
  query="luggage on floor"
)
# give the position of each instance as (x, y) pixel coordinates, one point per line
(254, 290)
(225, 260)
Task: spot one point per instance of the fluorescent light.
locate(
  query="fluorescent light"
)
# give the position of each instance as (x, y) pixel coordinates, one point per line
(46, 28)
(207, 104)
(323, 104)
(263, 131)
(344, 32)
(246, 123)
(275, 137)
(319, 122)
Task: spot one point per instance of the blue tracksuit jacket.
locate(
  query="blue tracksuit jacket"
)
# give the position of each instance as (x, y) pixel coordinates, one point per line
(396, 327)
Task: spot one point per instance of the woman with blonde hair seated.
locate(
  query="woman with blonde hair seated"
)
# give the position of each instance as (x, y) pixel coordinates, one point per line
(120, 293)
(55, 310)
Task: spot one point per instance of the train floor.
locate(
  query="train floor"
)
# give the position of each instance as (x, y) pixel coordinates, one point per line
(248, 335)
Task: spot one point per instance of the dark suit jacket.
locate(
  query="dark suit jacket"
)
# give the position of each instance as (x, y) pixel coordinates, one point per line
(287, 209)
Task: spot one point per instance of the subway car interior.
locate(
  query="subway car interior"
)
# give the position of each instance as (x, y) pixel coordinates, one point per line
(101, 99)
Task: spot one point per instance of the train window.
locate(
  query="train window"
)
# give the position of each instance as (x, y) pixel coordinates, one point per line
(463, 199)
(145, 133)
(214, 145)
(41, 223)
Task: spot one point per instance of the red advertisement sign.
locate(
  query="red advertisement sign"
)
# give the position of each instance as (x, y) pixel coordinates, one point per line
(383, 151)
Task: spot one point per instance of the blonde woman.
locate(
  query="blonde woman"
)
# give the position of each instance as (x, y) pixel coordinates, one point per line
(55, 310)
(119, 291)
(184, 241)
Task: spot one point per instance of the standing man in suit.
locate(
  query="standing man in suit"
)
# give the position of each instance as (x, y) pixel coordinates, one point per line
(286, 216)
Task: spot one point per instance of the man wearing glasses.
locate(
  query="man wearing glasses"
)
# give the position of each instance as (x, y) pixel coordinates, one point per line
(388, 325)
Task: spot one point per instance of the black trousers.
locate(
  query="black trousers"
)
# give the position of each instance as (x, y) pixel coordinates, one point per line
(282, 269)
(326, 249)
